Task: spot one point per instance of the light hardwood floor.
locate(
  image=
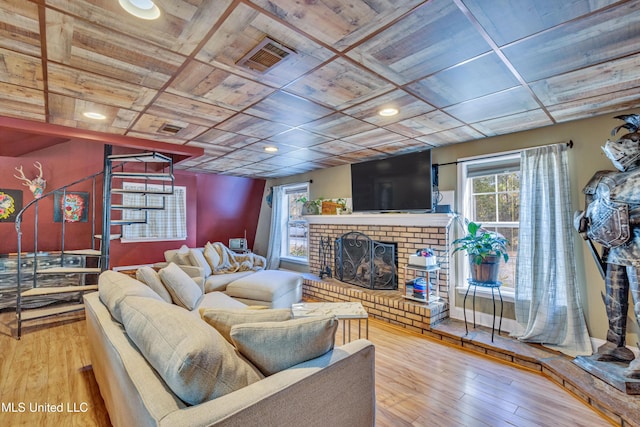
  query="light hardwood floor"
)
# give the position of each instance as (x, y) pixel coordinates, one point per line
(419, 382)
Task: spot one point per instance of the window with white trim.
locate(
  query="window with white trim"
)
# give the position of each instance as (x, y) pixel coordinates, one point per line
(295, 243)
(490, 189)
(169, 223)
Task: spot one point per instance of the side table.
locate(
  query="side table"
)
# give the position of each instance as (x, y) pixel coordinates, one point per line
(345, 311)
(493, 286)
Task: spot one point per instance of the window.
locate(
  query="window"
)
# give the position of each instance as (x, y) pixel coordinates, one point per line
(169, 223)
(490, 191)
(296, 238)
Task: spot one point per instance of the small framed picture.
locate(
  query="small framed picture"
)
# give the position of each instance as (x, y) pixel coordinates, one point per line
(72, 206)
(10, 204)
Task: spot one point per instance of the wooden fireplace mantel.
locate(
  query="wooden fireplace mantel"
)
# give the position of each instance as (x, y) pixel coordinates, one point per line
(401, 219)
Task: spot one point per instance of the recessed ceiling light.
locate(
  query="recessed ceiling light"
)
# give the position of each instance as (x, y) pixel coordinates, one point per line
(94, 115)
(387, 112)
(270, 149)
(143, 9)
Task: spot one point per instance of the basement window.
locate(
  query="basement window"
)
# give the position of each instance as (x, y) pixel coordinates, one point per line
(167, 224)
(490, 195)
(295, 244)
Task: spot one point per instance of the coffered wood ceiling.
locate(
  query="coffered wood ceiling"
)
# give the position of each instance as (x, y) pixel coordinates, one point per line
(458, 70)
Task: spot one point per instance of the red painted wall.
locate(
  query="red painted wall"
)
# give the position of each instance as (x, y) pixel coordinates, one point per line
(218, 207)
(228, 207)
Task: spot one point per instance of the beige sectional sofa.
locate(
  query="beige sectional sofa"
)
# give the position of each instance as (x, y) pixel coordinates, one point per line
(145, 383)
(241, 276)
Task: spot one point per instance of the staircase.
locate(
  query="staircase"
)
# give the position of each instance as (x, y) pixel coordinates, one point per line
(52, 283)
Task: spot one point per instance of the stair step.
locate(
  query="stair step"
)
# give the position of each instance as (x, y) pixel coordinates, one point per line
(89, 252)
(69, 270)
(143, 175)
(111, 236)
(128, 221)
(138, 208)
(37, 313)
(58, 290)
(151, 192)
(141, 157)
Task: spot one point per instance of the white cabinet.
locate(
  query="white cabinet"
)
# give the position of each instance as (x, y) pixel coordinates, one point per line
(431, 277)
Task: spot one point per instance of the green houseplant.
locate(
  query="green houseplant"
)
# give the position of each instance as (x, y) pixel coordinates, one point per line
(484, 249)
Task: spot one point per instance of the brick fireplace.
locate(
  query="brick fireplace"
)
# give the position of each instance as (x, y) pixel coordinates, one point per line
(410, 232)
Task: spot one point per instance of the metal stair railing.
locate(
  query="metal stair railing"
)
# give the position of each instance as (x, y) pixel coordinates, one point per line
(18, 226)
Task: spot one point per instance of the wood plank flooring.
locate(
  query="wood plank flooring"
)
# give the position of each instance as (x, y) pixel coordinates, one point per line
(419, 382)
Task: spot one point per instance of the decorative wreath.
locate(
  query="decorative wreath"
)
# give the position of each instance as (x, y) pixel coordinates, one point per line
(7, 205)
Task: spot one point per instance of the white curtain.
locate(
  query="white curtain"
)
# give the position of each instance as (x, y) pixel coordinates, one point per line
(547, 305)
(279, 217)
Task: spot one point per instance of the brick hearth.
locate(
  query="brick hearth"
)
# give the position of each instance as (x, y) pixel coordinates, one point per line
(411, 232)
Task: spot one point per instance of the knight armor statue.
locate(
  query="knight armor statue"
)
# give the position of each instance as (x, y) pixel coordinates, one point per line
(612, 218)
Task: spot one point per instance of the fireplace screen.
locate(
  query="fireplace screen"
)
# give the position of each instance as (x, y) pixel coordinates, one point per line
(364, 262)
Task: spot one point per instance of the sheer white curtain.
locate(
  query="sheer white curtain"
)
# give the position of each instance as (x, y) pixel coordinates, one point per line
(547, 304)
(279, 216)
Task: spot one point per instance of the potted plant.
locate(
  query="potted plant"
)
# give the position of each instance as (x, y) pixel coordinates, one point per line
(310, 207)
(484, 248)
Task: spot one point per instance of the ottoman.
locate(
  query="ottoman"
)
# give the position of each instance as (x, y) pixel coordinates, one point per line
(269, 288)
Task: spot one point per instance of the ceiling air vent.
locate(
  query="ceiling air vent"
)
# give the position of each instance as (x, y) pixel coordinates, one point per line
(172, 129)
(266, 55)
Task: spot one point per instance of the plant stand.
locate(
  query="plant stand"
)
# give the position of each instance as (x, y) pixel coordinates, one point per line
(493, 286)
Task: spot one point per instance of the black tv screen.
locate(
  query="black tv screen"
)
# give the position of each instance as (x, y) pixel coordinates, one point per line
(400, 183)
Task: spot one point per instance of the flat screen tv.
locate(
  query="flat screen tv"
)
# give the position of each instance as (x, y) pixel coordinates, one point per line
(394, 184)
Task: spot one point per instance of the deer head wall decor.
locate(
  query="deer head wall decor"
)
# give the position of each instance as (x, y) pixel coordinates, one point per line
(36, 185)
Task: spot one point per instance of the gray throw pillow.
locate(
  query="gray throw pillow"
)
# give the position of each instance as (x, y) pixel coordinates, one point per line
(184, 291)
(193, 359)
(151, 278)
(223, 319)
(180, 256)
(276, 346)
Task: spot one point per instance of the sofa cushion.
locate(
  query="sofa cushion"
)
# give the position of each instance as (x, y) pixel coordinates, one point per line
(194, 360)
(113, 287)
(196, 257)
(267, 285)
(219, 282)
(212, 256)
(151, 278)
(216, 300)
(184, 291)
(275, 346)
(179, 256)
(224, 319)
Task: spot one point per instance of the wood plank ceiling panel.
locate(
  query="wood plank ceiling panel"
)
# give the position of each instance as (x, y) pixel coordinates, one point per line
(336, 24)
(19, 27)
(182, 27)
(243, 30)
(436, 36)
(216, 86)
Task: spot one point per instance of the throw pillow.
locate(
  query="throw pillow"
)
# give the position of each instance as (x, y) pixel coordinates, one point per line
(151, 278)
(224, 319)
(184, 291)
(194, 360)
(275, 346)
(114, 287)
(196, 257)
(212, 256)
(179, 256)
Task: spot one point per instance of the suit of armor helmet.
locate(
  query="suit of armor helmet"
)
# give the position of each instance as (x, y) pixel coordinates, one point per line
(612, 218)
